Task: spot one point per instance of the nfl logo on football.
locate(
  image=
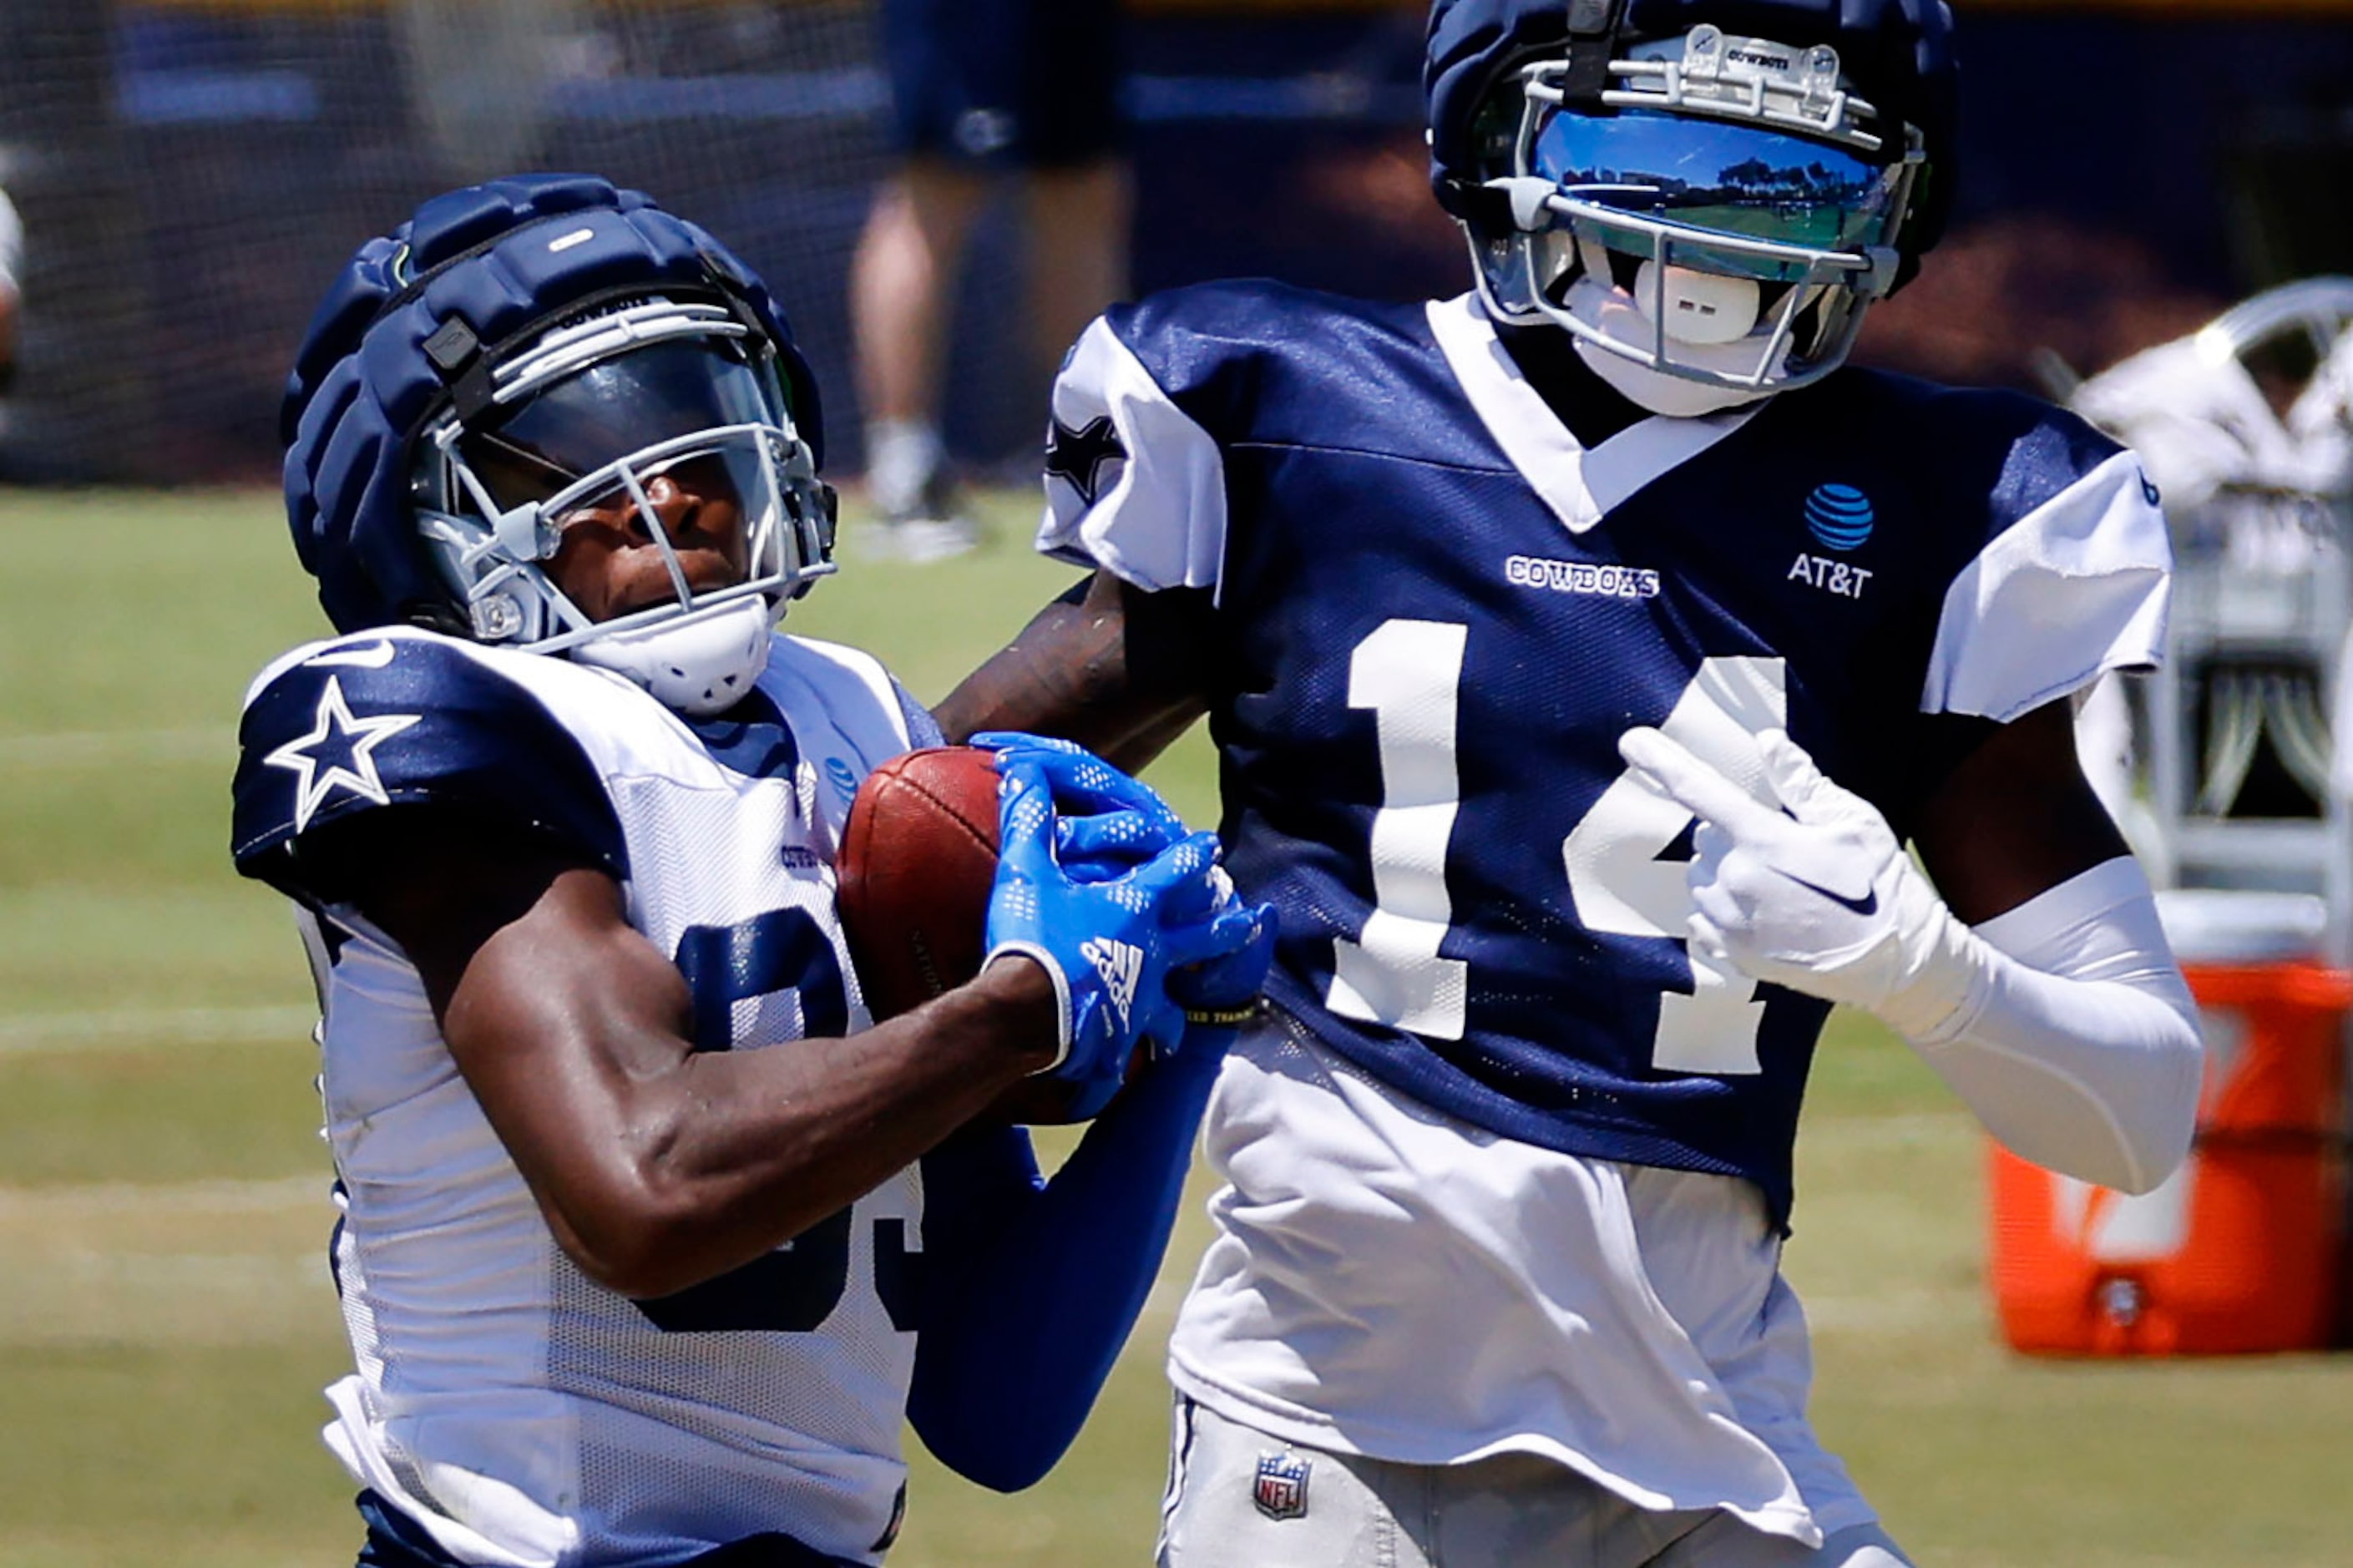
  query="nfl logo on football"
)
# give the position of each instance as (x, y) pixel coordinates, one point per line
(1281, 1489)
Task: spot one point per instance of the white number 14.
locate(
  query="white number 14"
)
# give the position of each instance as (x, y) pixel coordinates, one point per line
(1409, 673)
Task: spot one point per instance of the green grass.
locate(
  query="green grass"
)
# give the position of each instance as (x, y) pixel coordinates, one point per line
(165, 1322)
(182, 1113)
(169, 1453)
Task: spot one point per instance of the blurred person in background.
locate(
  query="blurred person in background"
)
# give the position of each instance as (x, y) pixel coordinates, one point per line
(984, 93)
(1581, 653)
(11, 293)
(651, 1239)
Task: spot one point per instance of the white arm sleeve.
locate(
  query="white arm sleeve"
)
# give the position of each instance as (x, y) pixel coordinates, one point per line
(1150, 510)
(2079, 1046)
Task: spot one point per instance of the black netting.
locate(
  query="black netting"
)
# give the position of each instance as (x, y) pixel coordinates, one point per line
(191, 176)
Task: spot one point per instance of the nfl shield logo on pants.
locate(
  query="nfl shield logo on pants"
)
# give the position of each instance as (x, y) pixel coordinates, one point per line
(1281, 1489)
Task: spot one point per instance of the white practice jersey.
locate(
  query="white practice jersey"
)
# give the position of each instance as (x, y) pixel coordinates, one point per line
(518, 1412)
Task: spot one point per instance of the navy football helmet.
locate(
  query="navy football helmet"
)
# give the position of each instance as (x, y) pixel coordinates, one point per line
(1706, 194)
(534, 350)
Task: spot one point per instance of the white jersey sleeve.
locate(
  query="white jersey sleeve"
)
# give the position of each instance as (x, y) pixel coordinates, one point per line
(1133, 484)
(2077, 586)
(857, 695)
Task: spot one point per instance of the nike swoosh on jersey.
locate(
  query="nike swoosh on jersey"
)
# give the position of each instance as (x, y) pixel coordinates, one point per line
(376, 656)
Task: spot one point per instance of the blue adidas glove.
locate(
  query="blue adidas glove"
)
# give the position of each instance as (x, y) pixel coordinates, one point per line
(1107, 822)
(1126, 823)
(1110, 943)
(1223, 992)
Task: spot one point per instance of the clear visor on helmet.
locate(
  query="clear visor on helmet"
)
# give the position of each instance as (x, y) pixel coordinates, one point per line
(714, 492)
(683, 441)
(1720, 176)
(588, 421)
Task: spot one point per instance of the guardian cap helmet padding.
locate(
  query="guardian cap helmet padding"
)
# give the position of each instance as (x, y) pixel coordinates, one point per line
(520, 351)
(1706, 194)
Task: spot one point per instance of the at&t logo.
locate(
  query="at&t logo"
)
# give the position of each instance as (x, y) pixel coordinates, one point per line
(1839, 516)
(1840, 519)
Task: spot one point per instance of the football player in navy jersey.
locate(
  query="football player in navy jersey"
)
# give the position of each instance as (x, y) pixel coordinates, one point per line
(1581, 653)
(650, 1239)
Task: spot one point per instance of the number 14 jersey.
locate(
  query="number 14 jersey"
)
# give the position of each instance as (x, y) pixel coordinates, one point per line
(1437, 613)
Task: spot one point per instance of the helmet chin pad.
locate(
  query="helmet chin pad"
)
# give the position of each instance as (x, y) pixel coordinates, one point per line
(697, 664)
(1661, 392)
(1614, 333)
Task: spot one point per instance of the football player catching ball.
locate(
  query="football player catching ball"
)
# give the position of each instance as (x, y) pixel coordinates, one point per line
(1582, 653)
(649, 1245)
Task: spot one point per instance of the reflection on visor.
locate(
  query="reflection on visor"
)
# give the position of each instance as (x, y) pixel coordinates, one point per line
(721, 478)
(719, 494)
(613, 408)
(1716, 175)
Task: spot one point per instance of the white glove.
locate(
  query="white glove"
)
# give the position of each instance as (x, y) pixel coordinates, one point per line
(1822, 898)
(2080, 1052)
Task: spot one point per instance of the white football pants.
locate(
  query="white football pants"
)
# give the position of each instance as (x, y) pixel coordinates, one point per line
(1225, 1508)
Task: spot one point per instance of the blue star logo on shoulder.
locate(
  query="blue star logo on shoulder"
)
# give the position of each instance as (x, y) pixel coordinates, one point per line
(1078, 457)
(336, 753)
(1280, 1487)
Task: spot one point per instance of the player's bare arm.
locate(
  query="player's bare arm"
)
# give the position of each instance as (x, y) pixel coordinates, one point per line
(1119, 670)
(2015, 818)
(658, 1165)
(570, 825)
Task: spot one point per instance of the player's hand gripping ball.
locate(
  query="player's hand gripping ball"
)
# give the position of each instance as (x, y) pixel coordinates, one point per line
(919, 864)
(1112, 944)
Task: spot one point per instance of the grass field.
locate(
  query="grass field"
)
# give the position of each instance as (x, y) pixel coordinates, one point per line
(165, 1319)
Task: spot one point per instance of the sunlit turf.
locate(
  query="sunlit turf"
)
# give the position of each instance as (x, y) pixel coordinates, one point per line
(165, 1322)
(171, 1113)
(163, 1452)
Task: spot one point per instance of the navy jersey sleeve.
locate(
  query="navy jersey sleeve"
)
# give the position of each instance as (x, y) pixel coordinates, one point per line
(1135, 479)
(1168, 409)
(1147, 406)
(376, 722)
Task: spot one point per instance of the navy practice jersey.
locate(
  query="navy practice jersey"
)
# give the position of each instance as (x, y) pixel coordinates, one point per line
(512, 1408)
(1437, 614)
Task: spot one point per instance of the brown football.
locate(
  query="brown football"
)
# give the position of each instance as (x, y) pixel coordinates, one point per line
(918, 860)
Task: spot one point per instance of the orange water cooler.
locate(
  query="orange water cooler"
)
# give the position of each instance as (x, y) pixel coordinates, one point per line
(2243, 1248)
